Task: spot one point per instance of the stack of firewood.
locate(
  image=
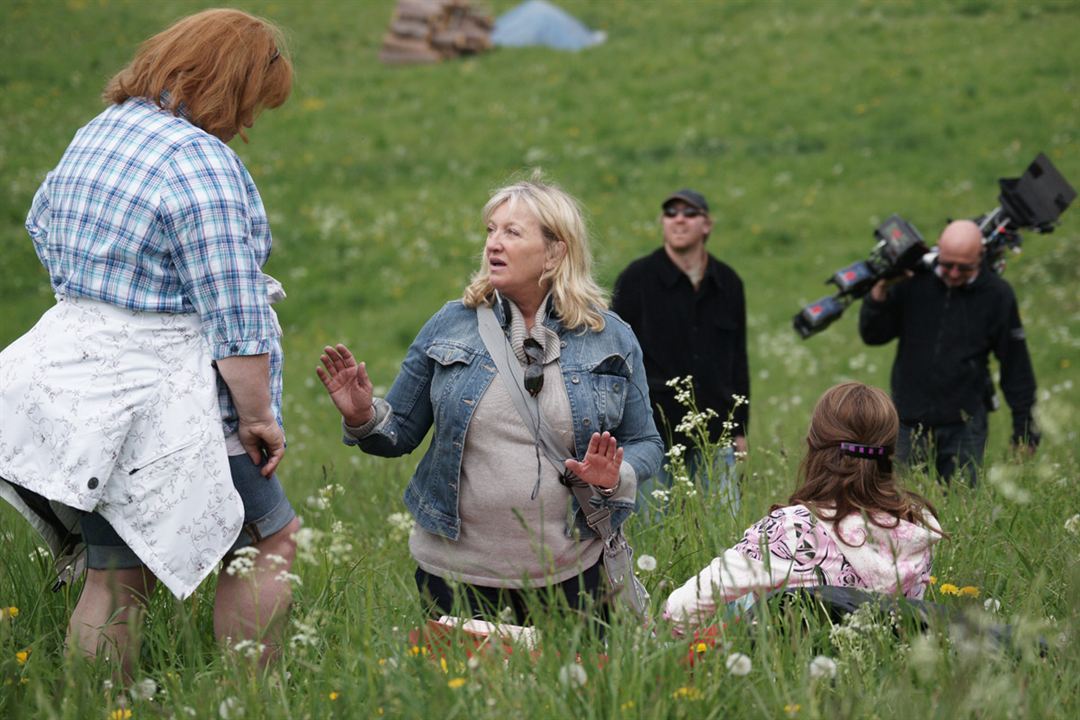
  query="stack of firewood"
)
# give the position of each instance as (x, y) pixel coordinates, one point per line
(433, 30)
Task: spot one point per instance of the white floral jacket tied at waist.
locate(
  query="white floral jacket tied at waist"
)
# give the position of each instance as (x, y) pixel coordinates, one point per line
(115, 411)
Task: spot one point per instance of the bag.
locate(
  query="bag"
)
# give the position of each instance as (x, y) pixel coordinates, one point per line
(618, 555)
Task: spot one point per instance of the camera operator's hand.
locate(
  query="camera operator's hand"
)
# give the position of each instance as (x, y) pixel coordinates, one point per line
(881, 287)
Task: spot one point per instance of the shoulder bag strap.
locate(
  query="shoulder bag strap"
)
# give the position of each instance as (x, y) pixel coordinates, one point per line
(598, 518)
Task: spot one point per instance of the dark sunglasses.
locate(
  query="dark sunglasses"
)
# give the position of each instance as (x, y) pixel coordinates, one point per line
(686, 211)
(962, 267)
(534, 366)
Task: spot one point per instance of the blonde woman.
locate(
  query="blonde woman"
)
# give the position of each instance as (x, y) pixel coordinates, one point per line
(116, 432)
(490, 510)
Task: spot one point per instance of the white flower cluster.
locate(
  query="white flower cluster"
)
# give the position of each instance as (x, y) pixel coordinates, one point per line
(401, 525)
(1001, 477)
(250, 649)
(695, 421)
(860, 635)
(322, 500)
(1072, 525)
(306, 635)
(243, 563)
(312, 543)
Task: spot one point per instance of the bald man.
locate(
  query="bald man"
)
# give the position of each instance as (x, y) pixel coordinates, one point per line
(948, 321)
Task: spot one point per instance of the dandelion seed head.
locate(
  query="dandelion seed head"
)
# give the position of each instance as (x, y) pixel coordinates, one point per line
(646, 563)
(822, 667)
(738, 664)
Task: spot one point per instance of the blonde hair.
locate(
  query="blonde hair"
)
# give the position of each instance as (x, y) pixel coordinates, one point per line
(222, 66)
(842, 485)
(579, 300)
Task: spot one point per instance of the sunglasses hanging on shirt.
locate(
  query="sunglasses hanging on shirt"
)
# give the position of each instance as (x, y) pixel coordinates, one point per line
(534, 366)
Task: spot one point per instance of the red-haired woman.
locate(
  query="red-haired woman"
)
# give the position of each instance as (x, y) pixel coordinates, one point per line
(153, 235)
(848, 524)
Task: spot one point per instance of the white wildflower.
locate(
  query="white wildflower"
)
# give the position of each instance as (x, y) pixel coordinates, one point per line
(473, 663)
(661, 495)
(249, 649)
(923, 657)
(317, 503)
(401, 523)
(647, 563)
(249, 551)
(241, 566)
(307, 543)
(573, 676)
(230, 708)
(822, 667)
(992, 605)
(1072, 525)
(676, 451)
(740, 399)
(145, 689)
(288, 577)
(738, 664)
(276, 560)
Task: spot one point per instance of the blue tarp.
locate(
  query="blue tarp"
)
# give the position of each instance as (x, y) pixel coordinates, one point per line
(538, 22)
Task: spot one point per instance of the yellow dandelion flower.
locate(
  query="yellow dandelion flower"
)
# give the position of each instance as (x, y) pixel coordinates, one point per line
(686, 693)
(334, 695)
(455, 683)
(120, 714)
(627, 706)
(792, 709)
(443, 665)
(933, 579)
(382, 661)
(969, 591)
(22, 656)
(13, 611)
(415, 650)
(949, 589)
(701, 647)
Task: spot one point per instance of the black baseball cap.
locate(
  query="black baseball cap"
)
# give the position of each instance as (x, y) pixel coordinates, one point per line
(690, 197)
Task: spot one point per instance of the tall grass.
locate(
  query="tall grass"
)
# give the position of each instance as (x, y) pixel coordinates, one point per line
(804, 124)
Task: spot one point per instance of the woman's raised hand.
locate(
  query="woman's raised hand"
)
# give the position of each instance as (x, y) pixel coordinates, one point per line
(348, 384)
(602, 461)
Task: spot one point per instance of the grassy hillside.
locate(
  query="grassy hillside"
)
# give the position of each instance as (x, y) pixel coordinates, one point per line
(804, 123)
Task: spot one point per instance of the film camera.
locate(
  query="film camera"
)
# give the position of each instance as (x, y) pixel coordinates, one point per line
(1033, 201)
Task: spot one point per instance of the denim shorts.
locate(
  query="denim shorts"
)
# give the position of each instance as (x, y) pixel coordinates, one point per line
(266, 511)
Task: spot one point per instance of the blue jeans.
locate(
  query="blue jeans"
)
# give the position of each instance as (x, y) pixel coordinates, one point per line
(724, 482)
(952, 448)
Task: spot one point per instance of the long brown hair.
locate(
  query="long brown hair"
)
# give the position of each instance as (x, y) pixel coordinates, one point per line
(834, 484)
(222, 66)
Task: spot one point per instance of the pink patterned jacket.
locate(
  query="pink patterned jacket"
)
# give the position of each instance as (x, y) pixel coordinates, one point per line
(792, 547)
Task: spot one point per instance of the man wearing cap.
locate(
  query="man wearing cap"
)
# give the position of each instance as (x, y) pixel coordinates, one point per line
(948, 321)
(688, 311)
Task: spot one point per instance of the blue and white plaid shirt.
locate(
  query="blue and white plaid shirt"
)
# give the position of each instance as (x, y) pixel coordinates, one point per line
(148, 212)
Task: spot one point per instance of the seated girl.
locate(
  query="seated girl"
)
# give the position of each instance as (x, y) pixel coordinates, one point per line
(848, 524)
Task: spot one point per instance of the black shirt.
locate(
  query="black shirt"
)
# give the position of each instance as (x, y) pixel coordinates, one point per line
(946, 334)
(683, 331)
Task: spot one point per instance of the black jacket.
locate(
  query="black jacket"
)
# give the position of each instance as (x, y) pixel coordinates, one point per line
(946, 334)
(683, 332)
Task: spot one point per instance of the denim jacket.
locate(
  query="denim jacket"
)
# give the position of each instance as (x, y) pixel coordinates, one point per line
(448, 369)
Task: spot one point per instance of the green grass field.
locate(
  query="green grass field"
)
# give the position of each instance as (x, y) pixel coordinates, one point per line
(804, 123)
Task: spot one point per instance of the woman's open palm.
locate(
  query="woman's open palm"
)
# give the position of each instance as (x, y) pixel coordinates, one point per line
(347, 383)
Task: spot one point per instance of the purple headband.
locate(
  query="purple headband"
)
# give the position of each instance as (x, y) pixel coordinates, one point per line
(880, 453)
